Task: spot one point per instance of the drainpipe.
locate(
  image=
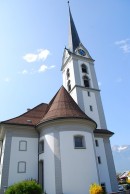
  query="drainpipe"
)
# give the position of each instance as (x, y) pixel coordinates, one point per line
(1, 150)
(38, 151)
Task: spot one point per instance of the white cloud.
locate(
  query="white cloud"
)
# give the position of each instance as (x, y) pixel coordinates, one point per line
(125, 48)
(99, 84)
(24, 71)
(120, 148)
(43, 68)
(41, 54)
(51, 67)
(124, 45)
(30, 57)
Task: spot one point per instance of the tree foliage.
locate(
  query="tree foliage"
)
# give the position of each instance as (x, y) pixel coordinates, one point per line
(25, 187)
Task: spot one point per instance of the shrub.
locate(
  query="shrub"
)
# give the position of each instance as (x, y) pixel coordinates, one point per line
(24, 187)
(95, 189)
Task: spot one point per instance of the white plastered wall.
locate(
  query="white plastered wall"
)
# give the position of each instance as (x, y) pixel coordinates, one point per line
(2, 157)
(88, 74)
(91, 101)
(71, 78)
(103, 168)
(78, 165)
(30, 157)
(49, 166)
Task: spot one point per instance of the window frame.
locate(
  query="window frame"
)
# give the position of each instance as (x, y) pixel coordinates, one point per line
(91, 108)
(20, 146)
(84, 68)
(96, 143)
(83, 146)
(99, 160)
(18, 167)
(68, 73)
(86, 81)
(89, 93)
(69, 85)
(103, 185)
(41, 146)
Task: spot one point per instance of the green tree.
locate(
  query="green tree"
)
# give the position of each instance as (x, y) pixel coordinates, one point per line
(24, 187)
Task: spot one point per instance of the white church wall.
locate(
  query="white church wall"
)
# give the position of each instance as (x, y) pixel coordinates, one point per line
(23, 164)
(2, 157)
(78, 165)
(82, 74)
(91, 101)
(49, 166)
(71, 78)
(103, 168)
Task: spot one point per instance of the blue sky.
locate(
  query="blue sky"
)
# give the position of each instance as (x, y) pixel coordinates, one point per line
(32, 39)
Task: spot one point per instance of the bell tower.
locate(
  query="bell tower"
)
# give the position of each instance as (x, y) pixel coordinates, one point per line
(79, 77)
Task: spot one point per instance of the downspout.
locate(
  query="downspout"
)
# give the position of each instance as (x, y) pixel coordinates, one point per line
(38, 151)
(1, 150)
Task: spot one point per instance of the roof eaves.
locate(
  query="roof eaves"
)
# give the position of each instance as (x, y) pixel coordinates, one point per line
(103, 131)
(65, 118)
(19, 124)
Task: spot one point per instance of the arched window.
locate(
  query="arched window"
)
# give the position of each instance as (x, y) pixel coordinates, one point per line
(68, 73)
(79, 141)
(86, 81)
(69, 85)
(84, 68)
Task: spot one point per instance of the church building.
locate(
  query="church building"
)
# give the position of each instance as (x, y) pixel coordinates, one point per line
(64, 145)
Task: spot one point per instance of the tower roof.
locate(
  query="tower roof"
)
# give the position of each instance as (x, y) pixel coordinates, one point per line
(74, 39)
(63, 106)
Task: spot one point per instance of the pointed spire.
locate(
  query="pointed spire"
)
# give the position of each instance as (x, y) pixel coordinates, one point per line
(74, 40)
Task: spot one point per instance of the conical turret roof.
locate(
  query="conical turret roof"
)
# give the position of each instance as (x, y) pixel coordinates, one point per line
(63, 106)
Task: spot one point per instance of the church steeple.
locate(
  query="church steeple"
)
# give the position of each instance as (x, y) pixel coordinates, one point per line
(74, 39)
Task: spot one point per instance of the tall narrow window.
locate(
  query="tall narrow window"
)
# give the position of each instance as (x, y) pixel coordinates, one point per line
(79, 141)
(69, 85)
(86, 81)
(96, 142)
(41, 146)
(41, 173)
(84, 68)
(68, 73)
(91, 108)
(99, 159)
(89, 94)
(103, 187)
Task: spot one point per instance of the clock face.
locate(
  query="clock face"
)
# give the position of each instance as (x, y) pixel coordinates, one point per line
(81, 52)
